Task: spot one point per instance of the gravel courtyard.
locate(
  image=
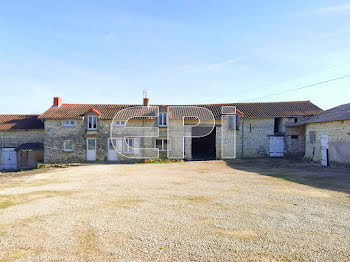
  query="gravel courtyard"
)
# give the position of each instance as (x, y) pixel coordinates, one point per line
(190, 211)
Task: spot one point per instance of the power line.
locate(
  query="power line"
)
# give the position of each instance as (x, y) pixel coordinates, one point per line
(299, 88)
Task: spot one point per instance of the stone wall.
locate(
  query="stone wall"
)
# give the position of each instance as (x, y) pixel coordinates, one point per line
(294, 143)
(19, 137)
(338, 134)
(56, 133)
(252, 138)
(255, 132)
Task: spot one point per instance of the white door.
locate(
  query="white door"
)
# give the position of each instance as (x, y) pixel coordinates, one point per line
(276, 146)
(91, 149)
(112, 153)
(324, 147)
(9, 158)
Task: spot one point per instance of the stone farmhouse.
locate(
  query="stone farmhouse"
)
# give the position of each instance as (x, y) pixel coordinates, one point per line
(73, 133)
(328, 136)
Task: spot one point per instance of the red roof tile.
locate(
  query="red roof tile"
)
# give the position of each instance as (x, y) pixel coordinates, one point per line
(92, 110)
(253, 110)
(19, 122)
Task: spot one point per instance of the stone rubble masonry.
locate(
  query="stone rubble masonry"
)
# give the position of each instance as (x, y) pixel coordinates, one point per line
(338, 135)
(256, 132)
(15, 138)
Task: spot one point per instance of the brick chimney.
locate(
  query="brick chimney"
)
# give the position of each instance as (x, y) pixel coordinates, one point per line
(146, 101)
(145, 98)
(57, 101)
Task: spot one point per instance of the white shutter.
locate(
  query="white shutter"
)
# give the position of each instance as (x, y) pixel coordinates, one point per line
(120, 144)
(136, 145)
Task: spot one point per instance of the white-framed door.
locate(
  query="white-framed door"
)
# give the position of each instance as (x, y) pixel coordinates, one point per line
(112, 153)
(91, 149)
(276, 146)
(9, 158)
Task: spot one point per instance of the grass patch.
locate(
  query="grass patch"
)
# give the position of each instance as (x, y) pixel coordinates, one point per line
(18, 253)
(122, 203)
(196, 199)
(240, 234)
(159, 161)
(18, 199)
(87, 241)
(31, 183)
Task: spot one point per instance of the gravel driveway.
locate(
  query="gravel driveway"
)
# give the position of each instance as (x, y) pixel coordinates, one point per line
(191, 211)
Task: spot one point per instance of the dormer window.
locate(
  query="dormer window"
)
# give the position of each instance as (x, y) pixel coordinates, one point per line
(92, 122)
(91, 118)
(162, 119)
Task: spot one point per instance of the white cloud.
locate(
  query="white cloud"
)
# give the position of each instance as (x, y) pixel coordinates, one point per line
(333, 9)
(209, 67)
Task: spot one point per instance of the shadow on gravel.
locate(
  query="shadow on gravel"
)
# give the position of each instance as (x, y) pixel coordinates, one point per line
(298, 171)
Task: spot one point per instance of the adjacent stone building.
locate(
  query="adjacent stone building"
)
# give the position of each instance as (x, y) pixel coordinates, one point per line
(21, 141)
(328, 136)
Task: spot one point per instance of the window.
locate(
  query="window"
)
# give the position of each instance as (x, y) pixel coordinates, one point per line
(120, 123)
(69, 123)
(295, 120)
(162, 144)
(295, 136)
(312, 137)
(92, 123)
(68, 145)
(128, 145)
(162, 119)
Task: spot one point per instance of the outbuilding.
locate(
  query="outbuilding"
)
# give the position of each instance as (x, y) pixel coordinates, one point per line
(21, 141)
(328, 136)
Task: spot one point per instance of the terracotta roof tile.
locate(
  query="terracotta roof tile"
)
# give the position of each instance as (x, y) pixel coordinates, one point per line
(253, 110)
(19, 122)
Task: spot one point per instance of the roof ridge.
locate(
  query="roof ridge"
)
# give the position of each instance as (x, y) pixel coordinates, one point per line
(105, 104)
(19, 114)
(277, 102)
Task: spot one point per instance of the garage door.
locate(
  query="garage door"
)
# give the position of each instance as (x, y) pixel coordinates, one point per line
(9, 158)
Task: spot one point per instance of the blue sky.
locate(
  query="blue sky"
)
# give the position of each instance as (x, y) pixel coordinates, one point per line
(183, 52)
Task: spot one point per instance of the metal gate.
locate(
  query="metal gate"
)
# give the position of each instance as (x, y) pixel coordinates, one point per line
(276, 146)
(9, 158)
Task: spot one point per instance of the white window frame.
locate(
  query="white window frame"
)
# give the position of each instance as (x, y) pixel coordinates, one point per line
(65, 145)
(162, 119)
(120, 123)
(128, 149)
(162, 148)
(88, 122)
(70, 123)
